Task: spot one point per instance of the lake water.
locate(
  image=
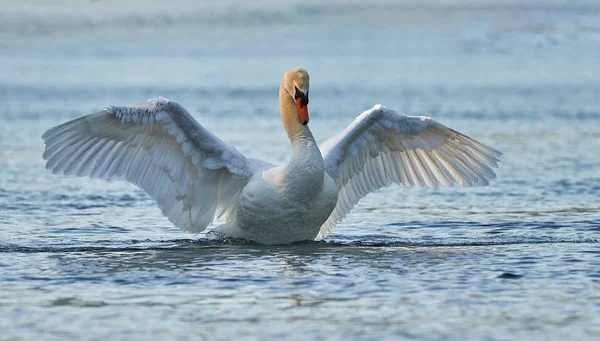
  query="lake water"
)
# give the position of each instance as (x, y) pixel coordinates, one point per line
(86, 259)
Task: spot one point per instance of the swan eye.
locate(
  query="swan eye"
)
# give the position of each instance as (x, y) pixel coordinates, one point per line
(300, 94)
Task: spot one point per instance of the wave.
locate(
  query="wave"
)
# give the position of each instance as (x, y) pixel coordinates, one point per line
(516, 99)
(366, 241)
(30, 19)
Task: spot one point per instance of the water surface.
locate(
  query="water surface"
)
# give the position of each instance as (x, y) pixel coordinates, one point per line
(520, 259)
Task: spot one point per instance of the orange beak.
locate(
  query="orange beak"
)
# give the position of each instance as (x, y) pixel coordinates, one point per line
(302, 111)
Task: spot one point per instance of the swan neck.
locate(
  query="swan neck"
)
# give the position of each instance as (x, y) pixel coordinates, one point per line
(303, 174)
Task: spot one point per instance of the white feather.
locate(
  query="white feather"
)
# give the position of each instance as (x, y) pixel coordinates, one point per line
(407, 150)
(159, 147)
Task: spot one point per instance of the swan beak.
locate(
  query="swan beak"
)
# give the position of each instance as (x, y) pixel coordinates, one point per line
(302, 111)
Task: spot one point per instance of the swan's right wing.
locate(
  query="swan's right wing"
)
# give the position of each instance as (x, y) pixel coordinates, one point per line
(161, 148)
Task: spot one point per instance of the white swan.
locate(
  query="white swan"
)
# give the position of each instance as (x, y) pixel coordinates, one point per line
(195, 177)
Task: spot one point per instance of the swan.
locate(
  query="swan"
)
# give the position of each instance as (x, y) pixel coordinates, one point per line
(195, 177)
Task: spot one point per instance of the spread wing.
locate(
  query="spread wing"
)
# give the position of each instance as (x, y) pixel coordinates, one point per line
(382, 147)
(161, 148)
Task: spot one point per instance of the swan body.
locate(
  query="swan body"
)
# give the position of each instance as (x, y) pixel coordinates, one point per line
(195, 177)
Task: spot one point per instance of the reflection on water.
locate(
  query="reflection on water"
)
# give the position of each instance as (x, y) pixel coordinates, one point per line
(388, 285)
(373, 284)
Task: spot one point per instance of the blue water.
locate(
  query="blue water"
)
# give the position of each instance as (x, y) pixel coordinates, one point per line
(520, 259)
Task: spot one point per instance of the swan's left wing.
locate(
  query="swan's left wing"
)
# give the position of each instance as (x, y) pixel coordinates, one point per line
(382, 147)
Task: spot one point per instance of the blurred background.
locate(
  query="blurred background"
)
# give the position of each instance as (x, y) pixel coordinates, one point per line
(522, 77)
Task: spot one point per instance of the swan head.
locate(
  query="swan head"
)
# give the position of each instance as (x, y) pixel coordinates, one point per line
(296, 83)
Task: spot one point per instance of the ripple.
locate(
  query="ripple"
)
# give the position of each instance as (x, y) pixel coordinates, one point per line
(382, 241)
(509, 275)
(368, 241)
(75, 302)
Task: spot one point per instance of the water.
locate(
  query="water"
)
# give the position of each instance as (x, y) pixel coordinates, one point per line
(520, 259)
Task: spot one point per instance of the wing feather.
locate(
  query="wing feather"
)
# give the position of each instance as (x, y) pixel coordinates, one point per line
(382, 147)
(159, 147)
